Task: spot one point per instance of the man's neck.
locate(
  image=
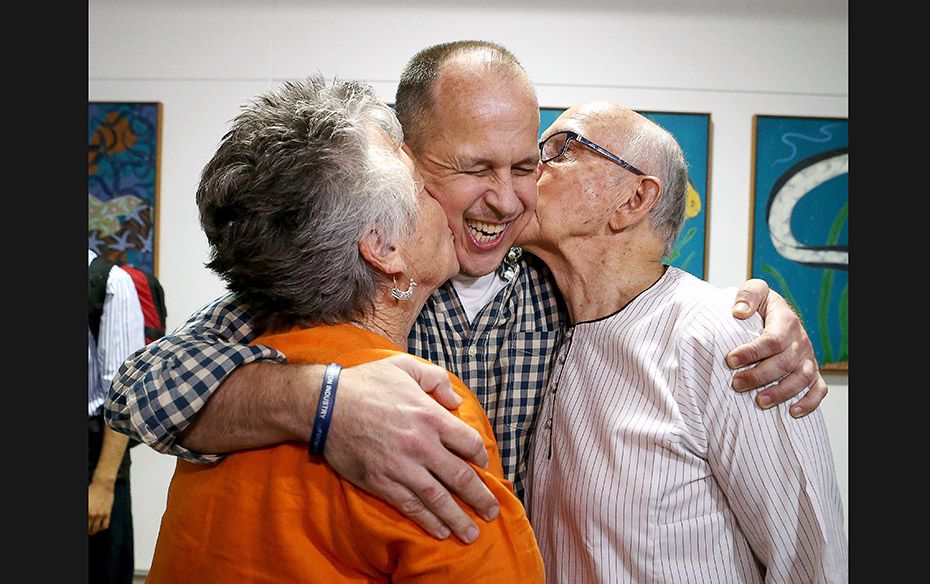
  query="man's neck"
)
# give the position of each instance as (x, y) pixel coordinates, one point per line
(475, 292)
(599, 280)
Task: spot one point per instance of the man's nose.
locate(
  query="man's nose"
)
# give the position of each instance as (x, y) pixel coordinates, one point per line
(502, 197)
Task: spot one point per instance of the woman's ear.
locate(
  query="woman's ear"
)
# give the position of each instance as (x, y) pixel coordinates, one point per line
(640, 203)
(382, 257)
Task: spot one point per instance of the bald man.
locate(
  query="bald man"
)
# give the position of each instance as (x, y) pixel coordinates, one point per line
(645, 465)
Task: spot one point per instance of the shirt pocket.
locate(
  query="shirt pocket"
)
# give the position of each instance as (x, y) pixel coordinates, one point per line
(526, 363)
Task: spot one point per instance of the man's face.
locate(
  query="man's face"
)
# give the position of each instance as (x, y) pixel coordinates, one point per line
(579, 190)
(480, 162)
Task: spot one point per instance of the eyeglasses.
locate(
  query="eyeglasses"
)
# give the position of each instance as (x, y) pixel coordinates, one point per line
(557, 144)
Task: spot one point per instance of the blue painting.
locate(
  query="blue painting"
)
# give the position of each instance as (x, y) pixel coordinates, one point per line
(800, 227)
(122, 181)
(692, 130)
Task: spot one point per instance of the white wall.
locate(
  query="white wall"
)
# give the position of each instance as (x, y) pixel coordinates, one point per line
(203, 58)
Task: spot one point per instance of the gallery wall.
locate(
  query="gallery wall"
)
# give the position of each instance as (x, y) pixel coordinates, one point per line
(203, 58)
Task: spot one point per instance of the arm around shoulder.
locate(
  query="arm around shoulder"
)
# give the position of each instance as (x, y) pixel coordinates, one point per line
(782, 352)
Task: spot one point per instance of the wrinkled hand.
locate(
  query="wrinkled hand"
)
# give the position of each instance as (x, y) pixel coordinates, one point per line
(99, 507)
(783, 352)
(391, 439)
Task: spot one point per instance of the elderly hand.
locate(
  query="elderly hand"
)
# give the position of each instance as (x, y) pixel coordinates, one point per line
(407, 448)
(783, 352)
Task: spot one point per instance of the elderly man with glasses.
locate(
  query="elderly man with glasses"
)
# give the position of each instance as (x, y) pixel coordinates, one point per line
(645, 466)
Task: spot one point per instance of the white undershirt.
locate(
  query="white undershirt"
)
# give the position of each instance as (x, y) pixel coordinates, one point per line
(476, 292)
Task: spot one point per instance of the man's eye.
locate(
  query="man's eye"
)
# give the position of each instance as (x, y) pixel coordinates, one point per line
(482, 172)
(522, 171)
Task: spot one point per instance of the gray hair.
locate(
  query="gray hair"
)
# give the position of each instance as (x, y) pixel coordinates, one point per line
(414, 98)
(291, 190)
(655, 151)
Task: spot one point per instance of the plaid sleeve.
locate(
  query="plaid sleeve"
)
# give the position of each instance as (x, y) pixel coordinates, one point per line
(160, 388)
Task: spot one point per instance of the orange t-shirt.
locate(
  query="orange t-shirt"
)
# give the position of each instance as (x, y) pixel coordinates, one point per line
(278, 514)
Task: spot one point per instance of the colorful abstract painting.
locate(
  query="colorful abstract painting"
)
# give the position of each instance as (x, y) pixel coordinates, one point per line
(122, 181)
(800, 231)
(692, 130)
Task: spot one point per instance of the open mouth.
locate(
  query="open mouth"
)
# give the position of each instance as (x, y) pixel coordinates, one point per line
(486, 234)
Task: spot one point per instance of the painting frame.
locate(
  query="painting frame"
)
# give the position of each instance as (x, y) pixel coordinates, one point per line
(694, 132)
(124, 163)
(798, 228)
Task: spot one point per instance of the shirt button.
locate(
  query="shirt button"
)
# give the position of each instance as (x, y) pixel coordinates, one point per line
(548, 424)
(561, 358)
(472, 351)
(568, 333)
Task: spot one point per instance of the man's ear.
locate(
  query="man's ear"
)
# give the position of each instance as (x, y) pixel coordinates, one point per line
(381, 256)
(638, 206)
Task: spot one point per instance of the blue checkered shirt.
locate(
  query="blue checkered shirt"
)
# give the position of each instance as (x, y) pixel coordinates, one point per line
(504, 356)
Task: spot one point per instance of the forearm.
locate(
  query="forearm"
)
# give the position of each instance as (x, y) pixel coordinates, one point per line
(257, 405)
(111, 455)
(160, 390)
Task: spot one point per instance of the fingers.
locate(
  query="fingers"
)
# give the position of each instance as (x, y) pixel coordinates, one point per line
(97, 523)
(433, 498)
(449, 474)
(782, 353)
(788, 386)
(781, 331)
(410, 504)
(790, 368)
(419, 480)
(391, 439)
(750, 297)
(811, 400)
(460, 477)
(463, 440)
(431, 378)
(766, 350)
(426, 499)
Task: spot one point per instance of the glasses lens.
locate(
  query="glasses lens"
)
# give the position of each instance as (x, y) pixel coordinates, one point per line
(553, 146)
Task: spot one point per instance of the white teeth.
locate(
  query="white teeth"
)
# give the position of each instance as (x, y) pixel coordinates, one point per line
(482, 231)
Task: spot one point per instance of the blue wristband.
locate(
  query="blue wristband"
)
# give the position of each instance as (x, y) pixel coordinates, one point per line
(324, 408)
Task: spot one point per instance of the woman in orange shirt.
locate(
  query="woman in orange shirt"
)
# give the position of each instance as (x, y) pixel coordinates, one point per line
(318, 221)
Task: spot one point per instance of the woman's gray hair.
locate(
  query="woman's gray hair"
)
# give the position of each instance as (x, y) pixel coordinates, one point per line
(293, 187)
(656, 152)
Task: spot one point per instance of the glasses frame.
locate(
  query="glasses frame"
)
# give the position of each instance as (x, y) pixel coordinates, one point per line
(579, 138)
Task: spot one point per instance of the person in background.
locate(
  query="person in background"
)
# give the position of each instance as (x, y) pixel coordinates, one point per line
(646, 466)
(312, 183)
(471, 119)
(112, 335)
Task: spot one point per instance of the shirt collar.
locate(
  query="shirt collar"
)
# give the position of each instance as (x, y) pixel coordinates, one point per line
(509, 267)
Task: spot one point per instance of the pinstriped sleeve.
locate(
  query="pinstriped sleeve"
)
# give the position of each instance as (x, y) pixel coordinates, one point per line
(121, 325)
(160, 388)
(776, 472)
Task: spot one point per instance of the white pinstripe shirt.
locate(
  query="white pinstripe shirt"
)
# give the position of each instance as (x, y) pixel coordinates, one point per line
(121, 332)
(647, 467)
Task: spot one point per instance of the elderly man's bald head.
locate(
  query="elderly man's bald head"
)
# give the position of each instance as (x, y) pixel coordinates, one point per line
(588, 175)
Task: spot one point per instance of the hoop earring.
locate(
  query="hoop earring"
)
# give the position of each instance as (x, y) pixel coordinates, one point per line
(396, 293)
